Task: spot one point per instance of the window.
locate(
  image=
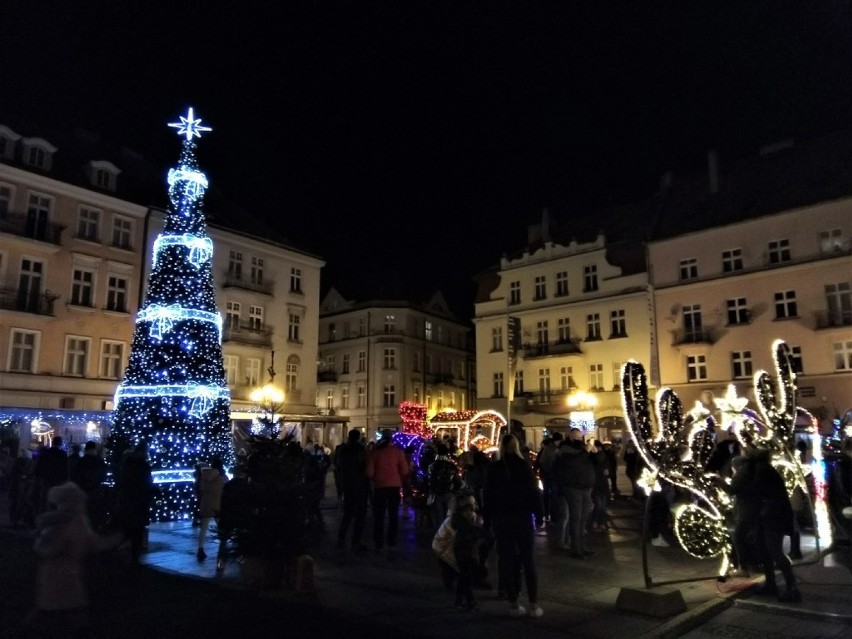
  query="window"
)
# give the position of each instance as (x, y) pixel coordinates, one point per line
(82, 285)
(232, 316)
(593, 326)
(22, 354)
(590, 278)
(497, 339)
(344, 363)
(6, 195)
(616, 375)
(389, 396)
(253, 371)
(390, 358)
(291, 373)
(344, 397)
(427, 330)
(390, 325)
(232, 369)
(362, 396)
(785, 305)
(117, 293)
(257, 271)
(544, 382)
(689, 269)
(235, 265)
(76, 356)
(122, 232)
(332, 332)
(563, 328)
(29, 285)
(295, 280)
(732, 260)
(256, 318)
(429, 363)
(741, 364)
(514, 293)
(692, 325)
(796, 360)
(519, 383)
(460, 370)
(362, 326)
(88, 224)
(329, 398)
(831, 241)
(293, 328)
(738, 312)
(498, 385)
(36, 157)
(566, 377)
(415, 361)
(842, 355)
(617, 323)
(839, 301)
(329, 363)
(542, 333)
(562, 284)
(540, 287)
(362, 361)
(779, 251)
(596, 377)
(696, 368)
(103, 179)
(112, 359)
(38, 216)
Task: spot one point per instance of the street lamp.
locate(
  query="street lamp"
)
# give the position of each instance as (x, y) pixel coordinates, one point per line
(582, 414)
(269, 398)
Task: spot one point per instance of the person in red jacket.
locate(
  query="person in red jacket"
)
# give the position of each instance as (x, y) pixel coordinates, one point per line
(387, 467)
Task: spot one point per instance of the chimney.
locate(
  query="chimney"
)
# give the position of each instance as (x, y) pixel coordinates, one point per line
(713, 171)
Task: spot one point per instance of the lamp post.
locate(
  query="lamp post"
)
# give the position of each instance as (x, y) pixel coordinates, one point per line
(269, 398)
(581, 413)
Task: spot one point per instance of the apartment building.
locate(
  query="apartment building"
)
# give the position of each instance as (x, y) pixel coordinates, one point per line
(378, 353)
(554, 326)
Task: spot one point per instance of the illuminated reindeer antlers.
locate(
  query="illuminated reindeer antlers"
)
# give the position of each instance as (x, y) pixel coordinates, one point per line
(778, 413)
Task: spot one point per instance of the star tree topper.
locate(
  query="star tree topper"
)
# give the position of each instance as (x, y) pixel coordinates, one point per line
(189, 126)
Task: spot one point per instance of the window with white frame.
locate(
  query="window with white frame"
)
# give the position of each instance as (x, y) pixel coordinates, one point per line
(741, 364)
(427, 330)
(785, 305)
(497, 380)
(362, 361)
(38, 216)
(390, 358)
(37, 156)
(82, 287)
(540, 287)
(6, 196)
(329, 398)
(738, 312)
(344, 397)
(618, 323)
(842, 355)
(253, 365)
(76, 355)
(390, 325)
(542, 333)
(294, 327)
(838, 298)
(562, 284)
(519, 383)
(329, 362)
(232, 316)
(257, 271)
(440, 400)
(104, 179)
(122, 233)
(88, 224)
(29, 285)
(689, 269)
(566, 377)
(732, 260)
(112, 359)
(544, 382)
(596, 377)
(344, 363)
(593, 326)
(616, 375)
(590, 278)
(235, 264)
(232, 369)
(696, 368)
(563, 329)
(796, 359)
(693, 330)
(514, 293)
(497, 339)
(291, 373)
(831, 241)
(362, 396)
(255, 318)
(779, 251)
(389, 395)
(22, 352)
(295, 280)
(117, 293)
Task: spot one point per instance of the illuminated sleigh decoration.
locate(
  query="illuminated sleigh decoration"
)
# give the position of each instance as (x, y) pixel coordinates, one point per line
(680, 451)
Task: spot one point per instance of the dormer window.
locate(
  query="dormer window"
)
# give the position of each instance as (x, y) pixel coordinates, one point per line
(102, 174)
(7, 142)
(38, 153)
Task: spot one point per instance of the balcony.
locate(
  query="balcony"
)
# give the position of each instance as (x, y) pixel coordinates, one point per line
(18, 299)
(681, 337)
(326, 376)
(24, 225)
(833, 319)
(246, 333)
(551, 349)
(230, 280)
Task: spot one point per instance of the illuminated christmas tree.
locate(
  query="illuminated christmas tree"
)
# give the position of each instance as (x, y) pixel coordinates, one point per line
(174, 396)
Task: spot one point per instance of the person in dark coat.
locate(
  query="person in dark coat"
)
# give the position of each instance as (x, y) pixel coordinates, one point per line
(351, 464)
(444, 481)
(512, 503)
(632, 468)
(89, 474)
(51, 470)
(600, 491)
(135, 490)
(575, 469)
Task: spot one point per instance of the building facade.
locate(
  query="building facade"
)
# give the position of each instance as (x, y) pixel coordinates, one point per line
(375, 354)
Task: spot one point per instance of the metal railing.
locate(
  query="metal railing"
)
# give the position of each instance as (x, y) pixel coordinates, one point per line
(25, 225)
(19, 299)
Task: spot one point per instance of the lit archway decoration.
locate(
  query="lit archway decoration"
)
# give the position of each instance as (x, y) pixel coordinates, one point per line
(486, 423)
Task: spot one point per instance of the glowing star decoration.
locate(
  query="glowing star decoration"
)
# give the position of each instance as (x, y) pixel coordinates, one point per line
(189, 126)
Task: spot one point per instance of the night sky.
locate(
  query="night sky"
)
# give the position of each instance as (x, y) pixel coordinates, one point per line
(410, 144)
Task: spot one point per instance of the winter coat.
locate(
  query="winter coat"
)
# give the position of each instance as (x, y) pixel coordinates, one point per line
(210, 485)
(443, 543)
(135, 490)
(443, 476)
(575, 468)
(761, 496)
(511, 496)
(351, 465)
(387, 466)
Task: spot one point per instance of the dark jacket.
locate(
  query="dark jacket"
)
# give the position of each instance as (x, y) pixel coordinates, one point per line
(351, 464)
(575, 468)
(761, 496)
(443, 476)
(511, 496)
